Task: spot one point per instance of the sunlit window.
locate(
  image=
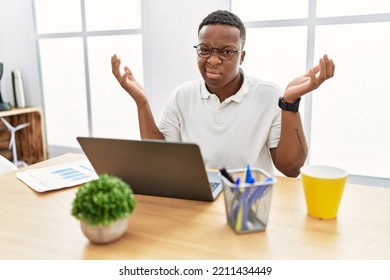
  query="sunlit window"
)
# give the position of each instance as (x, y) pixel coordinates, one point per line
(56, 16)
(327, 8)
(350, 126)
(81, 96)
(106, 94)
(253, 10)
(65, 102)
(112, 15)
(268, 58)
(347, 120)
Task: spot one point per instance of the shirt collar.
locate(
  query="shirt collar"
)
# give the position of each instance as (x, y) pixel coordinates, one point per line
(238, 97)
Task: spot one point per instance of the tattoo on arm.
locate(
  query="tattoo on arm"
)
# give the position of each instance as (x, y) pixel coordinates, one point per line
(300, 141)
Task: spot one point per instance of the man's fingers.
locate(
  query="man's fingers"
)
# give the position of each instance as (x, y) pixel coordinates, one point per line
(113, 59)
(115, 64)
(123, 78)
(313, 78)
(323, 73)
(330, 67)
(129, 73)
(315, 69)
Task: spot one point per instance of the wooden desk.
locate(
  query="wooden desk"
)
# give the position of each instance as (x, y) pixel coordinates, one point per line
(39, 226)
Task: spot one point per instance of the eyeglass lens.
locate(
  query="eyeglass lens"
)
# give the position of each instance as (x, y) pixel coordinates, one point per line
(205, 51)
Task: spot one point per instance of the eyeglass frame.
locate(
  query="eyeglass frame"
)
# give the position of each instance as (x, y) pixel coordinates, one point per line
(217, 50)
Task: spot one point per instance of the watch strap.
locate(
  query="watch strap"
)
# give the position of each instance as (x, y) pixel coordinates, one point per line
(292, 107)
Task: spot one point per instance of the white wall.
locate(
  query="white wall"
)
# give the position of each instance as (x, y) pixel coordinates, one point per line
(18, 49)
(170, 32)
(172, 28)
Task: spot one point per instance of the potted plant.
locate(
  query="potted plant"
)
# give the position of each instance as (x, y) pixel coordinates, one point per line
(103, 206)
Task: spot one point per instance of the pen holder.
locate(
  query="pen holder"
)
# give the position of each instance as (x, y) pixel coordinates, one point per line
(247, 205)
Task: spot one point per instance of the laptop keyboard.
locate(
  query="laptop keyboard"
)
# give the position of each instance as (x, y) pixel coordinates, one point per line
(214, 185)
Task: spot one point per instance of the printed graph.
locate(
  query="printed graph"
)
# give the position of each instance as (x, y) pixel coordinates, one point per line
(73, 174)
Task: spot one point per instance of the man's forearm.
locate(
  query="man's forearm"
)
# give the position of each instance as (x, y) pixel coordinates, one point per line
(147, 125)
(291, 152)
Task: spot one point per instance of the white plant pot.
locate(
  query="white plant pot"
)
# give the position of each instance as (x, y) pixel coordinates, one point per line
(101, 234)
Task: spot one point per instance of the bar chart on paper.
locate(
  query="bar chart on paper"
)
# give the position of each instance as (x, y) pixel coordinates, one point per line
(73, 174)
(59, 176)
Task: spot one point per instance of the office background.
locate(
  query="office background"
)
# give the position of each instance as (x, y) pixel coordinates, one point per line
(66, 67)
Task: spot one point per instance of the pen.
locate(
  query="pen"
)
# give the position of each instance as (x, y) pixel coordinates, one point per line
(259, 191)
(226, 174)
(248, 176)
(248, 180)
(242, 215)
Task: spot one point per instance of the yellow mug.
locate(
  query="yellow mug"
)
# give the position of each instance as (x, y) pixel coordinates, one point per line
(323, 186)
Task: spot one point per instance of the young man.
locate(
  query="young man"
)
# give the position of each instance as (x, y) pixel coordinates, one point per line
(235, 119)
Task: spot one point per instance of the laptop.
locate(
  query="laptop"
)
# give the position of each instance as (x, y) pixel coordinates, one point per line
(154, 167)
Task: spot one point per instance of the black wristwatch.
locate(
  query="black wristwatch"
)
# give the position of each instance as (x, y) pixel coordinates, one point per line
(292, 107)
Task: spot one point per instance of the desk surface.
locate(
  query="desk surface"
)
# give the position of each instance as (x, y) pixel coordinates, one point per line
(39, 226)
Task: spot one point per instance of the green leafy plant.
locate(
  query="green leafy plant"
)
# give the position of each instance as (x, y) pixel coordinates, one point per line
(103, 201)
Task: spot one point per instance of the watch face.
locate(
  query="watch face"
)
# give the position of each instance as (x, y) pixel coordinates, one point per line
(282, 105)
(292, 107)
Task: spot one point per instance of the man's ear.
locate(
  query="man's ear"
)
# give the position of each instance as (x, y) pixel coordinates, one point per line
(242, 57)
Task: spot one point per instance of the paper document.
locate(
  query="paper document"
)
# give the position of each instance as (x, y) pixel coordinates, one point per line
(58, 176)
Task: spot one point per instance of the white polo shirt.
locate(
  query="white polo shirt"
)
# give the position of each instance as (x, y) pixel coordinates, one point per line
(231, 134)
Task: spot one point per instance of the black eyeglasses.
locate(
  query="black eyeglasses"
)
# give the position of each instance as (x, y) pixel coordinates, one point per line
(205, 51)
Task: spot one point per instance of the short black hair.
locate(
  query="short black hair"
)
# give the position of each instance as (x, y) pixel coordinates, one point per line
(227, 18)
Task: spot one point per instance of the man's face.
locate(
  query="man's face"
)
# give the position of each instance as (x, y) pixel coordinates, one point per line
(218, 73)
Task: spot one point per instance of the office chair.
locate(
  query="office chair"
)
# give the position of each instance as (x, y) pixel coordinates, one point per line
(6, 166)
